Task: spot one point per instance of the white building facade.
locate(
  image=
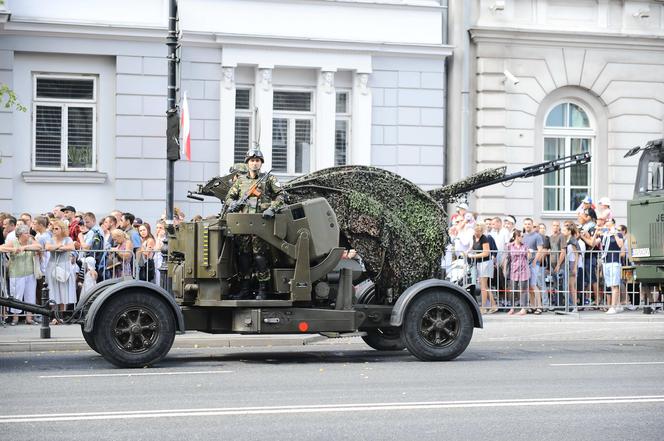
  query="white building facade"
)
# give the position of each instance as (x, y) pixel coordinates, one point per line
(318, 83)
(554, 78)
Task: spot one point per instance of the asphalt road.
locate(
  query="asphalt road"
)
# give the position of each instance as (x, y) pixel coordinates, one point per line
(600, 382)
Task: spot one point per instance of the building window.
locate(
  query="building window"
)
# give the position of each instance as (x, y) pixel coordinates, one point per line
(567, 131)
(342, 129)
(292, 128)
(65, 114)
(243, 124)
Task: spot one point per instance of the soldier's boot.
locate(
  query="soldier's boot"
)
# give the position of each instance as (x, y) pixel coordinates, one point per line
(244, 268)
(263, 290)
(246, 293)
(263, 274)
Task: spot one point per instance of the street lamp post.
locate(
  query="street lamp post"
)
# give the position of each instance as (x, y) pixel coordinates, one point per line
(172, 134)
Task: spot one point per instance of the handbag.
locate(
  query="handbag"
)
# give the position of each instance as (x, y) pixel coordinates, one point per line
(60, 274)
(146, 271)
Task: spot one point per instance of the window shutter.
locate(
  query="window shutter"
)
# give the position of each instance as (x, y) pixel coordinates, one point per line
(48, 136)
(242, 126)
(292, 101)
(280, 145)
(340, 142)
(242, 97)
(65, 88)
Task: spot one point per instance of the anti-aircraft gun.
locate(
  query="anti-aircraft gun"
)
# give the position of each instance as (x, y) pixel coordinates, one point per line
(392, 298)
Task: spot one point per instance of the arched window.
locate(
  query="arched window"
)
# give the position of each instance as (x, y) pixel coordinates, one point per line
(567, 131)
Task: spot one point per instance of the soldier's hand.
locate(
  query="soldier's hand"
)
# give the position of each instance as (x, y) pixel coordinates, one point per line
(268, 214)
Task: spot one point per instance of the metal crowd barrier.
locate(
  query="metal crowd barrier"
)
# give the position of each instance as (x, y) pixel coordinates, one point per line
(551, 291)
(551, 288)
(107, 264)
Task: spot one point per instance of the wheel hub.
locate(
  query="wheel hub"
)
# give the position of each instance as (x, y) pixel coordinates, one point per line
(135, 329)
(439, 326)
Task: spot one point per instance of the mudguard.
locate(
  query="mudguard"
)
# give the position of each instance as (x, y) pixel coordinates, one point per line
(131, 284)
(97, 288)
(400, 307)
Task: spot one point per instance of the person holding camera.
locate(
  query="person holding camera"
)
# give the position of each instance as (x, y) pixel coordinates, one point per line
(611, 242)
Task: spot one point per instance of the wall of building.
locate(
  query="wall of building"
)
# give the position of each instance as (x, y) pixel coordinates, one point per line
(596, 53)
(6, 132)
(266, 43)
(408, 126)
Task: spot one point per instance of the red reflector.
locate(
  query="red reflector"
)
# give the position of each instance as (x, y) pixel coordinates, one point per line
(303, 326)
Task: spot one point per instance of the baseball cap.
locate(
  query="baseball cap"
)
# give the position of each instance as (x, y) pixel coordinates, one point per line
(605, 201)
(68, 208)
(587, 200)
(510, 218)
(138, 221)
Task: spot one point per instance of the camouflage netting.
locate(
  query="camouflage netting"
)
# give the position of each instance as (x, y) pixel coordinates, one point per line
(397, 228)
(451, 193)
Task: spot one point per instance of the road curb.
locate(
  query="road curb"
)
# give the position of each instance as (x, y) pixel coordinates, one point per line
(181, 342)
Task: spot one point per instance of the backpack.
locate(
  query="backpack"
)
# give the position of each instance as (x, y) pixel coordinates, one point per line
(492, 245)
(97, 246)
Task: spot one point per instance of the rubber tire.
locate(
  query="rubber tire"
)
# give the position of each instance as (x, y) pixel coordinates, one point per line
(414, 341)
(89, 339)
(376, 339)
(114, 306)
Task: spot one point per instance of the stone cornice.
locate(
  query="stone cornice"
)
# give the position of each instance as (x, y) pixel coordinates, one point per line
(537, 37)
(158, 35)
(335, 45)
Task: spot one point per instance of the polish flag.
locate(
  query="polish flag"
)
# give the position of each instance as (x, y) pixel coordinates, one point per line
(184, 128)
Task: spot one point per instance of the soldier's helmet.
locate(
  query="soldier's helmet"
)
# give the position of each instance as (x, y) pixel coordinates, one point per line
(253, 153)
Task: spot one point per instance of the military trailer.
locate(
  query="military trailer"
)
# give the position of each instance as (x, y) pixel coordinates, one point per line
(393, 297)
(315, 291)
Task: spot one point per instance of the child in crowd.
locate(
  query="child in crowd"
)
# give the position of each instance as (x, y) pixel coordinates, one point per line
(90, 278)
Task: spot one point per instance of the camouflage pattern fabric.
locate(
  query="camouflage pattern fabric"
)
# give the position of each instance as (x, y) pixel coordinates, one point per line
(450, 194)
(255, 246)
(268, 194)
(397, 228)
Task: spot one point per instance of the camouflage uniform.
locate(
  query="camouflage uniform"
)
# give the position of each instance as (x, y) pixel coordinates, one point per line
(269, 194)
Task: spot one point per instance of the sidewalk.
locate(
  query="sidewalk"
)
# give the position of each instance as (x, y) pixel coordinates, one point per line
(25, 338)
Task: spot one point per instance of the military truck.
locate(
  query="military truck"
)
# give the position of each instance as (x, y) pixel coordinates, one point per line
(645, 219)
(393, 298)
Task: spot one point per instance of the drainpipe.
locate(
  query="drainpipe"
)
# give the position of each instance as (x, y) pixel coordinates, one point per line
(466, 151)
(445, 40)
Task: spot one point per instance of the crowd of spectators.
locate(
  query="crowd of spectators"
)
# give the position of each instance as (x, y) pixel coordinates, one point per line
(527, 267)
(72, 251)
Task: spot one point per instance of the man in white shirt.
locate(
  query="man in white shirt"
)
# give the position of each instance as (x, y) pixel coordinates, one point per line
(8, 227)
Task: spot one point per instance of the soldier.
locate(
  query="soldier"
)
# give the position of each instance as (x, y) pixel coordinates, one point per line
(246, 197)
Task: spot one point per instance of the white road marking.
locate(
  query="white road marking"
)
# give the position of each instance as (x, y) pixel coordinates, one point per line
(608, 364)
(329, 408)
(141, 374)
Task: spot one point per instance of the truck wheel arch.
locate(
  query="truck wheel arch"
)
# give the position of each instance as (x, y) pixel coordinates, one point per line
(133, 286)
(401, 305)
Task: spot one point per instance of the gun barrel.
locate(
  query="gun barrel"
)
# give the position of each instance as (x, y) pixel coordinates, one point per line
(536, 170)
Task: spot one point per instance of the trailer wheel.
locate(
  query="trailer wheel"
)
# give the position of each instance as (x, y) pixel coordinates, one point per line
(89, 339)
(438, 326)
(134, 330)
(384, 339)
